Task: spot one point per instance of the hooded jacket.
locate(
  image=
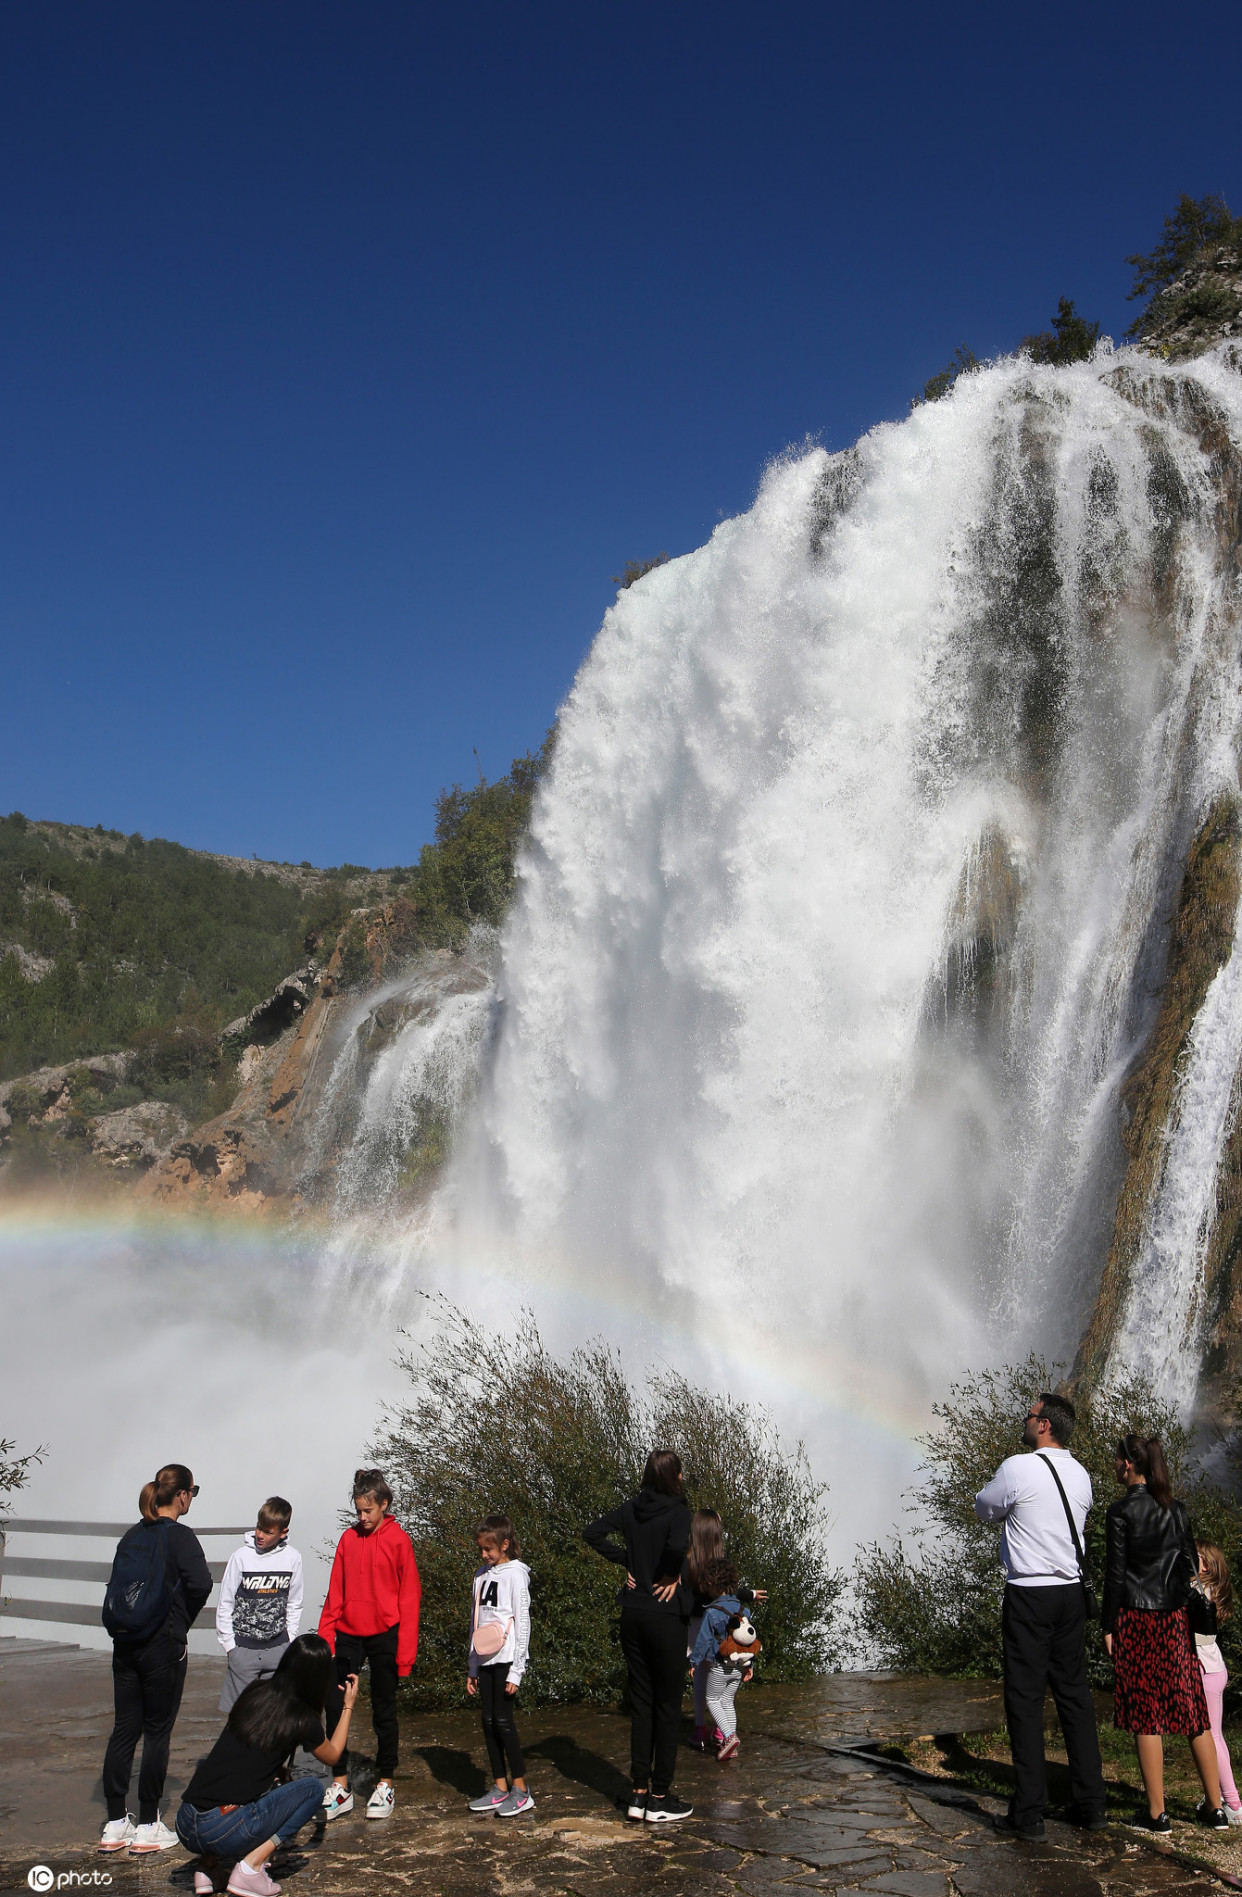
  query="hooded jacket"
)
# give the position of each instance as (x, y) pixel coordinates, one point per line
(502, 1593)
(260, 1601)
(1150, 1556)
(375, 1586)
(655, 1534)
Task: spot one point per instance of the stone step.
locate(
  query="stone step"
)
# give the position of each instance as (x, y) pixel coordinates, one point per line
(14, 1644)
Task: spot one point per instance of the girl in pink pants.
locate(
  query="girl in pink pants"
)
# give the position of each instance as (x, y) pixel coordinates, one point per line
(1211, 1600)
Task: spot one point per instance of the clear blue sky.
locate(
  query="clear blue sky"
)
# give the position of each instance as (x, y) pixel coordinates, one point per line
(346, 351)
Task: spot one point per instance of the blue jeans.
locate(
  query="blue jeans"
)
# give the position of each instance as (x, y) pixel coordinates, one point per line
(278, 1814)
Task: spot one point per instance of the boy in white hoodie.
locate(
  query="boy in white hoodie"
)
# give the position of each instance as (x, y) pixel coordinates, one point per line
(260, 1607)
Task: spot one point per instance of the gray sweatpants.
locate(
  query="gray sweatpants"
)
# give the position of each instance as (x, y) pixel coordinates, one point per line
(247, 1664)
(722, 1685)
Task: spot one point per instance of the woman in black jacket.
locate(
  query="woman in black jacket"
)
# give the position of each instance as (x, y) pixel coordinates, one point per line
(1151, 1560)
(148, 1669)
(654, 1531)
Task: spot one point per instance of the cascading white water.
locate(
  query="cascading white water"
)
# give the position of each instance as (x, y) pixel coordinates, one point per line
(841, 909)
(1162, 1331)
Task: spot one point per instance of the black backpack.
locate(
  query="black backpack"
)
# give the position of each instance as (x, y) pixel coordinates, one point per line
(141, 1586)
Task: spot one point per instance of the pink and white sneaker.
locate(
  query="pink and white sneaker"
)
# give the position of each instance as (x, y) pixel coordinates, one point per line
(730, 1747)
(248, 1880)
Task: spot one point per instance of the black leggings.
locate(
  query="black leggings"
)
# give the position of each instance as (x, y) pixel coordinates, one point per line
(381, 1651)
(654, 1645)
(499, 1730)
(146, 1689)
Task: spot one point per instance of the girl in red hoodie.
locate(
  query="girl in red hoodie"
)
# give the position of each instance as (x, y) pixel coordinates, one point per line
(371, 1614)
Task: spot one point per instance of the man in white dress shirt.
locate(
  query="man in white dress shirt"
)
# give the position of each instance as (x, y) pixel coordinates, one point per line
(1043, 1625)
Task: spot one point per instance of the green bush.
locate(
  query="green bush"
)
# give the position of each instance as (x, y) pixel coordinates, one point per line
(931, 1602)
(500, 1424)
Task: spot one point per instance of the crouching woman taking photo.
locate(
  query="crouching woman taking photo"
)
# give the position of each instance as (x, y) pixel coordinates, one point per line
(234, 1808)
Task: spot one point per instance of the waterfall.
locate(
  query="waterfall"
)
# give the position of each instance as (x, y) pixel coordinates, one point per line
(843, 906)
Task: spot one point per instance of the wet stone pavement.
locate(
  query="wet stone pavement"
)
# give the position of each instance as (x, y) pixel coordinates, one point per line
(797, 1811)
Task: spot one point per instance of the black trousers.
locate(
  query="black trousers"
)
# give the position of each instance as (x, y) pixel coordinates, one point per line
(380, 1651)
(654, 1645)
(499, 1727)
(147, 1684)
(1043, 1631)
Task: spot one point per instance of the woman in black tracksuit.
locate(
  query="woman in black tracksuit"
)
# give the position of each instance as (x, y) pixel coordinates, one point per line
(654, 1531)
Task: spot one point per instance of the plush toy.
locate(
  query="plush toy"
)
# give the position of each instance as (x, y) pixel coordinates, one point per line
(740, 1645)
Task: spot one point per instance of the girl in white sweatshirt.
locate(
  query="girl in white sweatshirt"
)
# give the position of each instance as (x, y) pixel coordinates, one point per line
(499, 1648)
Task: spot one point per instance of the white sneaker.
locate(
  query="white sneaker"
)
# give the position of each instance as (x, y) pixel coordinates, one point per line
(1234, 1814)
(117, 1834)
(381, 1802)
(156, 1837)
(337, 1800)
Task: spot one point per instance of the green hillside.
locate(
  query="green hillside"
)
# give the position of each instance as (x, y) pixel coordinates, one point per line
(108, 941)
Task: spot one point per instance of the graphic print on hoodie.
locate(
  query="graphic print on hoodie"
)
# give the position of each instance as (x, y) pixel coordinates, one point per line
(502, 1593)
(260, 1601)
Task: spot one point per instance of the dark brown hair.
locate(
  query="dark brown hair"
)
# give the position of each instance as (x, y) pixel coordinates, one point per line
(275, 1513)
(663, 1472)
(371, 1483)
(720, 1577)
(168, 1484)
(706, 1545)
(1216, 1575)
(1146, 1454)
(499, 1530)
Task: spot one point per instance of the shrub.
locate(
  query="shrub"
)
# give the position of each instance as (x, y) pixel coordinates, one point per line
(638, 569)
(15, 1470)
(931, 1603)
(498, 1423)
(964, 360)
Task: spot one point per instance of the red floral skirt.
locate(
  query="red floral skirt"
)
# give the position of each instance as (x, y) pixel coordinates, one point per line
(1159, 1687)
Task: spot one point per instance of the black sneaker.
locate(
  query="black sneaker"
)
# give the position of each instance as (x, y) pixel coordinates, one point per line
(666, 1808)
(1093, 1820)
(1143, 1821)
(1034, 1833)
(1215, 1820)
(637, 1807)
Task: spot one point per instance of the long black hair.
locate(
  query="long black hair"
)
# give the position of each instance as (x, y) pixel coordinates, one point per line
(274, 1715)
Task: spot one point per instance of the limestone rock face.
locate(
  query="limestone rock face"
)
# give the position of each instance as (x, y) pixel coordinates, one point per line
(138, 1136)
(1200, 308)
(250, 1158)
(45, 1094)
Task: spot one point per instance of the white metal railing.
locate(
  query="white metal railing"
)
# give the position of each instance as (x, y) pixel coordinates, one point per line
(47, 1568)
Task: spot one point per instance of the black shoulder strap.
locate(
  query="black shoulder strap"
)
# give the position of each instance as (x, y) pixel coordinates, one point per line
(1082, 1560)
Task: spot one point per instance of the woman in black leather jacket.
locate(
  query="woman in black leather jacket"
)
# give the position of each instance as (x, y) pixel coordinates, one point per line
(1151, 1560)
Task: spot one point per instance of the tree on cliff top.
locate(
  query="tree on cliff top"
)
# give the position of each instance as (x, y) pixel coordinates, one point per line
(1071, 338)
(1193, 224)
(467, 874)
